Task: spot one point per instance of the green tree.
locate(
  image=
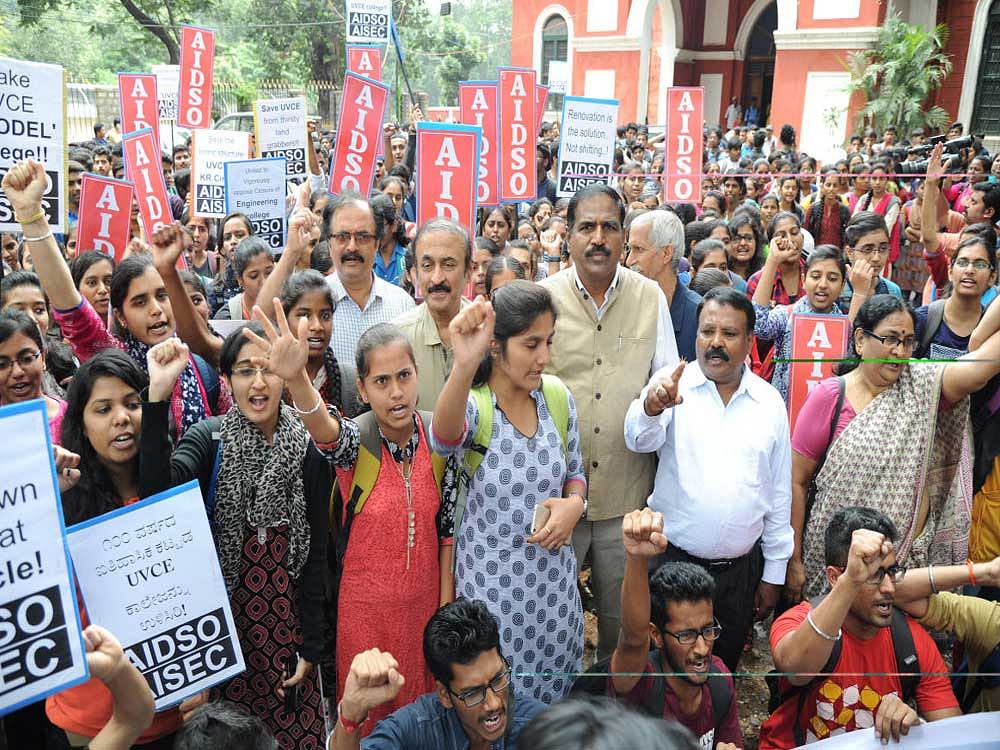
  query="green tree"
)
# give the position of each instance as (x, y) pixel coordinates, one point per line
(899, 74)
(460, 54)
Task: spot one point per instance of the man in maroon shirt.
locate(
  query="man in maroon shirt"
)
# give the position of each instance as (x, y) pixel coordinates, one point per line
(673, 607)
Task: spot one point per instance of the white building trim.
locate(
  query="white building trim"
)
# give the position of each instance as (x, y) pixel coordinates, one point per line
(536, 44)
(690, 55)
(788, 15)
(640, 24)
(849, 38)
(746, 27)
(608, 44)
(973, 60)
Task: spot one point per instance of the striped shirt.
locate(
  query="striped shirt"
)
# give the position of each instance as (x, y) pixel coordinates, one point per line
(385, 302)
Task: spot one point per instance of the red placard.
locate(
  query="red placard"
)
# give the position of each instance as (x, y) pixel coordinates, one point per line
(365, 60)
(105, 214)
(448, 165)
(139, 106)
(682, 167)
(518, 178)
(194, 98)
(478, 106)
(144, 169)
(541, 99)
(359, 133)
(819, 340)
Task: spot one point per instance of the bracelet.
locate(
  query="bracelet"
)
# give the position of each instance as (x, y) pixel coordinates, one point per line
(585, 503)
(39, 214)
(45, 236)
(349, 726)
(552, 258)
(319, 403)
(930, 577)
(820, 633)
(972, 575)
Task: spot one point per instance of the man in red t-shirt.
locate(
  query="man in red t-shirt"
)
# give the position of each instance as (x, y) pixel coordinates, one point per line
(861, 569)
(674, 608)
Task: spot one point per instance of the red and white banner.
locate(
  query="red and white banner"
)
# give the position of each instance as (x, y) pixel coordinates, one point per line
(139, 106)
(144, 169)
(819, 341)
(448, 165)
(365, 60)
(194, 99)
(518, 177)
(359, 134)
(541, 99)
(682, 166)
(478, 106)
(105, 214)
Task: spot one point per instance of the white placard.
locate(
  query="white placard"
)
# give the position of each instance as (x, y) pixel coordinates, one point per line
(280, 126)
(368, 21)
(587, 143)
(168, 80)
(149, 573)
(970, 732)
(41, 647)
(256, 187)
(225, 327)
(211, 150)
(33, 126)
(558, 77)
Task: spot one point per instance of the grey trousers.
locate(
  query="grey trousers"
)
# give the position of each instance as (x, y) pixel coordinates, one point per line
(603, 540)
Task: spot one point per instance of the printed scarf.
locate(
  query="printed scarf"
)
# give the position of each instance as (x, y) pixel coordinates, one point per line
(189, 402)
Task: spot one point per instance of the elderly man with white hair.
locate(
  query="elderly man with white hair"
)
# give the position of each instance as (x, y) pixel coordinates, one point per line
(655, 248)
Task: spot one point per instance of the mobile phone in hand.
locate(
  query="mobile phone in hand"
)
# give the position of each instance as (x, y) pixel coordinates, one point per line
(539, 518)
(291, 693)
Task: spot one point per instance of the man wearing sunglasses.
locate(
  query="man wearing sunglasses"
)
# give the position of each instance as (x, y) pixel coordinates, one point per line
(673, 608)
(868, 684)
(473, 707)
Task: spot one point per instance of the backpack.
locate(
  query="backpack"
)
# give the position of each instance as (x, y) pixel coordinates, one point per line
(967, 687)
(594, 682)
(907, 665)
(935, 316)
(556, 396)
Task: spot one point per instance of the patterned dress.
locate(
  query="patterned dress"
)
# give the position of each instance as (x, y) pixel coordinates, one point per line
(531, 590)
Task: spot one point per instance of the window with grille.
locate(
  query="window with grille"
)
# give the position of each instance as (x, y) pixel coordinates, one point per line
(986, 112)
(555, 46)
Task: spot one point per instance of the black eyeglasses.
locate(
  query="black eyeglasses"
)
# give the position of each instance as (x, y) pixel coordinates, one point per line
(687, 637)
(892, 341)
(472, 697)
(25, 359)
(895, 573)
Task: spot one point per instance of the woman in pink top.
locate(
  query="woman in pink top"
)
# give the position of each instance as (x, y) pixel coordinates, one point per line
(22, 367)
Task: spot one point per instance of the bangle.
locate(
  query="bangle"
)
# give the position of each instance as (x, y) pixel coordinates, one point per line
(349, 726)
(930, 577)
(319, 403)
(820, 633)
(39, 214)
(552, 258)
(45, 236)
(585, 504)
(972, 575)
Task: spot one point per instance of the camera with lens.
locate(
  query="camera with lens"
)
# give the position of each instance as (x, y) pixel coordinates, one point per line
(952, 165)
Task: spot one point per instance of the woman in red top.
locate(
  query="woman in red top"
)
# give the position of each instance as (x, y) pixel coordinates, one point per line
(885, 204)
(827, 219)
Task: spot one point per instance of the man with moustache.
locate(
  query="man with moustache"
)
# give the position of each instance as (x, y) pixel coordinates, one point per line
(613, 329)
(443, 253)
(727, 510)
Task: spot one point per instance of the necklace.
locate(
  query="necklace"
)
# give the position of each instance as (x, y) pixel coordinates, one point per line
(406, 472)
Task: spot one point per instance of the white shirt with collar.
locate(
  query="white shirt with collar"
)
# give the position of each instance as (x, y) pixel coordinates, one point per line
(724, 478)
(666, 344)
(385, 302)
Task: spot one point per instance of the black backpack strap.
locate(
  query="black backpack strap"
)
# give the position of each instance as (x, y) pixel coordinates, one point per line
(907, 663)
(594, 682)
(656, 697)
(721, 694)
(935, 316)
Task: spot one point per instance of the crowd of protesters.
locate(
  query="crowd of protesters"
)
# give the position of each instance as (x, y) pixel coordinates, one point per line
(423, 434)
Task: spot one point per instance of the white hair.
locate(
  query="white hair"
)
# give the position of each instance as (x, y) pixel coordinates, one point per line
(665, 228)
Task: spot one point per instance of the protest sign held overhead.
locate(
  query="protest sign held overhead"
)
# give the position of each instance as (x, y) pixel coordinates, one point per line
(41, 647)
(683, 149)
(541, 100)
(105, 215)
(149, 573)
(211, 149)
(139, 104)
(194, 97)
(144, 169)
(559, 77)
(447, 161)
(478, 106)
(359, 133)
(256, 187)
(587, 148)
(168, 79)
(281, 133)
(818, 341)
(518, 176)
(368, 21)
(365, 60)
(33, 126)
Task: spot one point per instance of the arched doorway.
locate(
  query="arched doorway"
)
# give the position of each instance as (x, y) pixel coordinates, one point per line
(758, 62)
(986, 110)
(555, 47)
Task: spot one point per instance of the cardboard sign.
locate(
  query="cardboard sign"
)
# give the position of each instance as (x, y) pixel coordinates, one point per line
(359, 133)
(168, 81)
(149, 573)
(41, 645)
(478, 106)
(105, 215)
(821, 340)
(683, 150)
(194, 97)
(587, 143)
(368, 21)
(518, 177)
(144, 170)
(33, 126)
(256, 187)
(365, 60)
(448, 165)
(210, 150)
(541, 99)
(281, 133)
(559, 74)
(140, 107)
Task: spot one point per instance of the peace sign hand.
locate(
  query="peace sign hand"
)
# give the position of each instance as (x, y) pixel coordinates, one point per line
(287, 353)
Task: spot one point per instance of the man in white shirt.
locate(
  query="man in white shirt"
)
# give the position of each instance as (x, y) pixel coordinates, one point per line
(723, 483)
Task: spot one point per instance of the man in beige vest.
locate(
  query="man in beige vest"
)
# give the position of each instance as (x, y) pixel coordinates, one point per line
(612, 332)
(443, 253)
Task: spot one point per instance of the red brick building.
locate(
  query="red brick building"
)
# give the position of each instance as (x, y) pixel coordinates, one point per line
(786, 53)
